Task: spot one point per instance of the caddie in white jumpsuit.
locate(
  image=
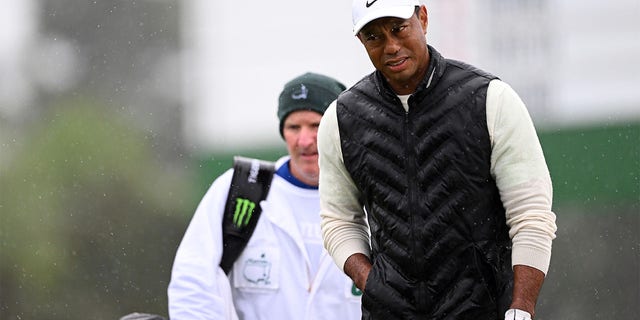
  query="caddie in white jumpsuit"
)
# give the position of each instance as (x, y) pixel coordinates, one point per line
(284, 272)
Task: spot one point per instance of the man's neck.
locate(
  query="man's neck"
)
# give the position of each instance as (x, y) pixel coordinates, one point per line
(412, 85)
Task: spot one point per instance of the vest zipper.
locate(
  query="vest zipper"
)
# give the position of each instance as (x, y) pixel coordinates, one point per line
(411, 187)
(411, 174)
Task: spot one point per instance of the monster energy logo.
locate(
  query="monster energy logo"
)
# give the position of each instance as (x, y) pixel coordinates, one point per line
(244, 210)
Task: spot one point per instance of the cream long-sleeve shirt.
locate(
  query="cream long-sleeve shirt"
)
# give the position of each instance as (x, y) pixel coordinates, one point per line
(517, 165)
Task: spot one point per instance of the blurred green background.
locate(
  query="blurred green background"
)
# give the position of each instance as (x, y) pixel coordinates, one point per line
(97, 183)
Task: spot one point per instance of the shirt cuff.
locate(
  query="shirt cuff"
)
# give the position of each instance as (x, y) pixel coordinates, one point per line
(530, 257)
(349, 248)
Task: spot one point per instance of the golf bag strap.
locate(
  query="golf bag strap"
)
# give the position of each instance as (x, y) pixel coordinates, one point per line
(249, 186)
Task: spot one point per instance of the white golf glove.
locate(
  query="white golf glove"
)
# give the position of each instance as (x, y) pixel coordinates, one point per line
(516, 314)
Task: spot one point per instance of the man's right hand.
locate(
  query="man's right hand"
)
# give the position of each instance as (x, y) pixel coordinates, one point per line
(358, 267)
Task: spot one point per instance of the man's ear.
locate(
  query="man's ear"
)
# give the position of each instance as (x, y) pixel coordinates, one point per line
(424, 17)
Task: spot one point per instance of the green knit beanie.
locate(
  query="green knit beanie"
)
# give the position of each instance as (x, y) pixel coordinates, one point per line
(310, 91)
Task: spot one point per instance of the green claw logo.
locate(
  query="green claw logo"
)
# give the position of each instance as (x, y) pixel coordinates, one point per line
(244, 210)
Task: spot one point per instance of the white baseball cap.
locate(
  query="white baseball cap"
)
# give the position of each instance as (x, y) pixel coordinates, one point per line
(365, 11)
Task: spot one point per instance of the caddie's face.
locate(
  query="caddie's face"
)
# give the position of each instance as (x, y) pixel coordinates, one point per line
(398, 48)
(300, 132)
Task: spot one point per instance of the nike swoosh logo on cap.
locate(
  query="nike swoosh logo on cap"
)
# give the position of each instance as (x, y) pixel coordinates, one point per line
(369, 4)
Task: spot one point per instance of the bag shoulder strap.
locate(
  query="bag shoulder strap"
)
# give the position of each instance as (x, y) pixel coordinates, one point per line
(249, 186)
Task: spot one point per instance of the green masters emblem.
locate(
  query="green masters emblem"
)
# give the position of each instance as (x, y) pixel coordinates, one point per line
(355, 291)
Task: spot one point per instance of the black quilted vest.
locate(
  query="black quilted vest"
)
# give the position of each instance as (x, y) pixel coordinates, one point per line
(440, 245)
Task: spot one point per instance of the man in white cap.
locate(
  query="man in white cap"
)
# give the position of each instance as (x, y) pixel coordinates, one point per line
(435, 194)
